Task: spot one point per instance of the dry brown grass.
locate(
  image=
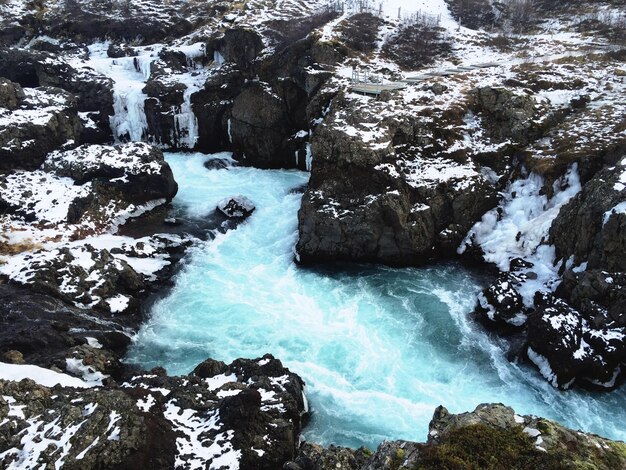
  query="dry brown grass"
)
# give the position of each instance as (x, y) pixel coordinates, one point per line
(10, 249)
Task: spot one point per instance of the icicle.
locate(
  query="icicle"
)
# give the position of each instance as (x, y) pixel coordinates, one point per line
(309, 157)
(186, 122)
(218, 59)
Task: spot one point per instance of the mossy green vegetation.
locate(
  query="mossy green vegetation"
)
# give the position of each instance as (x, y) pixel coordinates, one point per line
(483, 447)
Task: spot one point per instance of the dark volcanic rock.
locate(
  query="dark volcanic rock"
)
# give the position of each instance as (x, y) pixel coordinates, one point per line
(507, 114)
(261, 108)
(501, 303)
(137, 171)
(491, 433)
(160, 107)
(43, 329)
(239, 46)
(554, 334)
(599, 214)
(599, 296)
(83, 429)
(263, 119)
(566, 348)
(236, 206)
(42, 120)
(369, 201)
(90, 191)
(11, 94)
(250, 416)
(315, 457)
(93, 92)
(212, 106)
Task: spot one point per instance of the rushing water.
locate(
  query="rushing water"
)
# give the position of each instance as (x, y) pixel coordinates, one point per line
(379, 348)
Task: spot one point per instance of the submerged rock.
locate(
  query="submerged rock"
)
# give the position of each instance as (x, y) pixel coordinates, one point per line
(501, 303)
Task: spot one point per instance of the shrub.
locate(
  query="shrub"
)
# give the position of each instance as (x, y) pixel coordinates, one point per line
(418, 41)
(609, 24)
(360, 32)
(473, 14)
(286, 32)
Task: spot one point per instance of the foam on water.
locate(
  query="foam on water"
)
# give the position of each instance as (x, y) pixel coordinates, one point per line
(379, 348)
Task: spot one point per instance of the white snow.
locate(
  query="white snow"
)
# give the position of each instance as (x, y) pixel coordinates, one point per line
(521, 231)
(544, 366)
(38, 437)
(45, 377)
(218, 381)
(88, 373)
(88, 448)
(93, 342)
(119, 303)
(618, 209)
(194, 444)
(145, 405)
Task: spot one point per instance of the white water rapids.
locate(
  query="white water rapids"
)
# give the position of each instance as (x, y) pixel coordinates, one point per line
(379, 348)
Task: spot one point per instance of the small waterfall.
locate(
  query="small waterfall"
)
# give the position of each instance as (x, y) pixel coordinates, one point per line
(130, 74)
(186, 122)
(129, 121)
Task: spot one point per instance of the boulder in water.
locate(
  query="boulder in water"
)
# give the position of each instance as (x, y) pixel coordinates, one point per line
(236, 207)
(501, 303)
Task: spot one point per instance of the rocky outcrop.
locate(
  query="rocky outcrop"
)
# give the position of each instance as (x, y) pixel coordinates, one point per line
(599, 213)
(598, 295)
(244, 415)
(212, 106)
(263, 120)
(239, 46)
(249, 415)
(261, 107)
(93, 92)
(491, 436)
(137, 171)
(508, 114)
(581, 335)
(91, 190)
(315, 457)
(108, 278)
(38, 121)
(377, 195)
(566, 347)
(11, 94)
(43, 330)
(501, 302)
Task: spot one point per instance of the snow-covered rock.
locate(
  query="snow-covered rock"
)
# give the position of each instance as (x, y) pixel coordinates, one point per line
(243, 416)
(40, 120)
(384, 188)
(236, 206)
